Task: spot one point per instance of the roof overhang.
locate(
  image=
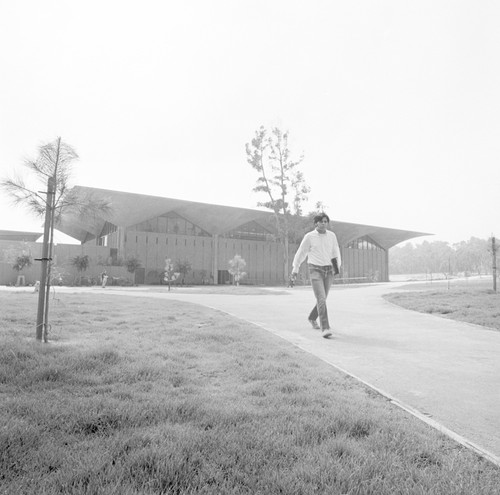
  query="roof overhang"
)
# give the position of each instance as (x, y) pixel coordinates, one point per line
(383, 236)
(16, 235)
(128, 209)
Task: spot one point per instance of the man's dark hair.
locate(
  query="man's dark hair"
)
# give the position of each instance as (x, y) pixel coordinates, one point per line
(320, 217)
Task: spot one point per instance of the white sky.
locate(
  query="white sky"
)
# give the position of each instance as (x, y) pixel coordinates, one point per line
(395, 103)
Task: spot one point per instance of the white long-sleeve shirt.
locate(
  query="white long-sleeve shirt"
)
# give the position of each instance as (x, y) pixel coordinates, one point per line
(319, 249)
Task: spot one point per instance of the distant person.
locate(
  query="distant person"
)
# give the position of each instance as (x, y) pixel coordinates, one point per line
(104, 278)
(321, 248)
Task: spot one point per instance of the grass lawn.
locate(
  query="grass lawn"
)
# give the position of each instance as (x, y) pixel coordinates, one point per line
(472, 302)
(147, 396)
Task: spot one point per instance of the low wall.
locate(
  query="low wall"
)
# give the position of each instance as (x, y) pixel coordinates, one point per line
(8, 276)
(63, 272)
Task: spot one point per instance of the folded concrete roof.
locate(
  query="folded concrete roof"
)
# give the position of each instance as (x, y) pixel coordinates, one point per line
(128, 209)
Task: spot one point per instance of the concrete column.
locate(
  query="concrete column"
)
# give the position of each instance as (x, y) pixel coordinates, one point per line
(215, 259)
(385, 277)
(121, 241)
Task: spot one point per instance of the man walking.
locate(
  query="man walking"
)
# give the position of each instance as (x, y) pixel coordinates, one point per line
(322, 251)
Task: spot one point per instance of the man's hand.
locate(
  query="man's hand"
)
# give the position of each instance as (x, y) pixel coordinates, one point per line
(293, 276)
(335, 265)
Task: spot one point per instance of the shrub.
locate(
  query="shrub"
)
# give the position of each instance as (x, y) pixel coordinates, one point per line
(81, 262)
(132, 263)
(22, 261)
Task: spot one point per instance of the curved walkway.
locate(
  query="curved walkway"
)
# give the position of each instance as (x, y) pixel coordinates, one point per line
(444, 372)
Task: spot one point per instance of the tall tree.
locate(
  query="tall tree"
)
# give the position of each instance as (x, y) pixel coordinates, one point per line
(279, 178)
(52, 169)
(472, 256)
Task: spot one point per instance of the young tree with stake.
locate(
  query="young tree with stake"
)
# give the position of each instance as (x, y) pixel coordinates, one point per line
(52, 168)
(237, 267)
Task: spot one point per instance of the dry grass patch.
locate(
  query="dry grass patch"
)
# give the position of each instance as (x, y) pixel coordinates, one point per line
(149, 396)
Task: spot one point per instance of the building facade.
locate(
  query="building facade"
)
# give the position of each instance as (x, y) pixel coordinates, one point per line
(204, 236)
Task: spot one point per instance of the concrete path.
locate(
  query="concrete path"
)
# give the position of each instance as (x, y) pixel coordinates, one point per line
(445, 372)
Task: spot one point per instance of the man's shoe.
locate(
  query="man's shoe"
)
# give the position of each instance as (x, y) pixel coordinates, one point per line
(326, 333)
(314, 324)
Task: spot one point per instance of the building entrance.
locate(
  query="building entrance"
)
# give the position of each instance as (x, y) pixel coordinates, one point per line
(223, 277)
(140, 276)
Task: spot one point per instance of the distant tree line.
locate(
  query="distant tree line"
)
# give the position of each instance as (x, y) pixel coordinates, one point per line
(472, 257)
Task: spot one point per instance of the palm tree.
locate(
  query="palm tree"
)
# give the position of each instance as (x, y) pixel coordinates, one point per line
(22, 261)
(81, 262)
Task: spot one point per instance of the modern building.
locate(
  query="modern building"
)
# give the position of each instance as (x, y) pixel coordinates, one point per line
(207, 236)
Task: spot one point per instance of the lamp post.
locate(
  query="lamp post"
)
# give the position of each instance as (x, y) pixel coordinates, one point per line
(494, 254)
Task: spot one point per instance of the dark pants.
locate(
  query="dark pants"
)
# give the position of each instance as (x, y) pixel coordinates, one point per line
(321, 280)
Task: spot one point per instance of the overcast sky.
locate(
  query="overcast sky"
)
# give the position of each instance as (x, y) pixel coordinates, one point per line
(395, 104)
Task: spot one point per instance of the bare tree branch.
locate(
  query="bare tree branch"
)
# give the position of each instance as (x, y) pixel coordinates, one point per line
(20, 194)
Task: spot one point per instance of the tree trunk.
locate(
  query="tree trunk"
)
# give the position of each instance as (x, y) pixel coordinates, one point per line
(40, 319)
